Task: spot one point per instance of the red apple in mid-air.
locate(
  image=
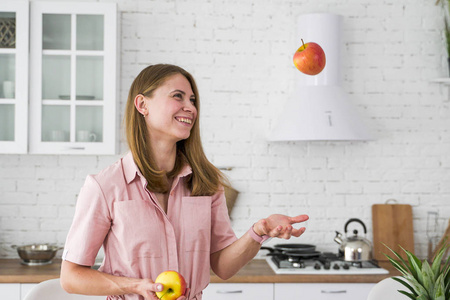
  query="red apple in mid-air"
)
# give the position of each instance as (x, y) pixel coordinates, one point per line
(310, 58)
(173, 283)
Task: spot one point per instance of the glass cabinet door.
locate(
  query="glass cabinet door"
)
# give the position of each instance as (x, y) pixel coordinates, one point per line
(13, 76)
(75, 45)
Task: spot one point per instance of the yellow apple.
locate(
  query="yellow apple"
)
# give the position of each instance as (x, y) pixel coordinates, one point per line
(173, 283)
(310, 58)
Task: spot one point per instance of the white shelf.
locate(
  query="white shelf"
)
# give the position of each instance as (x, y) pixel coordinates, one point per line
(8, 51)
(445, 81)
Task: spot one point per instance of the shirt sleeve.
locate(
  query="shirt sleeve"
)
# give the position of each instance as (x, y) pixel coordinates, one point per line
(222, 235)
(90, 225)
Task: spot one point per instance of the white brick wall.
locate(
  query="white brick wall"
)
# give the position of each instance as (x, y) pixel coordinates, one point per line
(241, 55)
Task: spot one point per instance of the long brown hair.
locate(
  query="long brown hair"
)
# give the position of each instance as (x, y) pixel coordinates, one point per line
(206, 178)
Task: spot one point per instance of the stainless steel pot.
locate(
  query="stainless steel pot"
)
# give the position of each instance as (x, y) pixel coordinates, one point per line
(37, 254)
(354, 248)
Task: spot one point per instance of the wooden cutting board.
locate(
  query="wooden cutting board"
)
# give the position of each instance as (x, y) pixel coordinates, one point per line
(392, 225)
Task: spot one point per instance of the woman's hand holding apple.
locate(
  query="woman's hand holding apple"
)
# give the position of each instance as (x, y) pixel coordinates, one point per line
(146, 288)
(173, 286)
(150, 290)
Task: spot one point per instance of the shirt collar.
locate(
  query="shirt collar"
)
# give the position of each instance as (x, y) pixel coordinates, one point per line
(131, 170)
(185, 171)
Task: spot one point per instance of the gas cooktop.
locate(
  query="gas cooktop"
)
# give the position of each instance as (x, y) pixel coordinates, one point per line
(324, 264)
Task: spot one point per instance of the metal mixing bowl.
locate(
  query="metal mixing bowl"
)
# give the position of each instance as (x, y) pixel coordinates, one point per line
(37, 254)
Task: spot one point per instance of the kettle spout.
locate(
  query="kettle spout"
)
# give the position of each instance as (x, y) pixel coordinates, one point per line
(337, 238)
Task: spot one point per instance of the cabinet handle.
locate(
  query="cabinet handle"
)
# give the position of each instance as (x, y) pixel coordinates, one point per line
(76, 148)
(334, 292)
(229, 292)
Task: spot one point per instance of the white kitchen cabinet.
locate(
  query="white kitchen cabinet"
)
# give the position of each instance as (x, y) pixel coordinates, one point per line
(238, 291)
(15, 291)
(25, 288)
(13, 76)
(73, 77)
(10, 291)
(322, 291)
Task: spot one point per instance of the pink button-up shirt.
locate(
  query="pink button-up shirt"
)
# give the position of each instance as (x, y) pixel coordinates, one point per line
(140, 240)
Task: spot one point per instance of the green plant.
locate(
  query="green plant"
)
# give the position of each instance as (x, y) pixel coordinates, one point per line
(447, 37)
(446, 6)
(424, 282)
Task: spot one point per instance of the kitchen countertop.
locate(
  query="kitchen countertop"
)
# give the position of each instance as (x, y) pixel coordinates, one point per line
(256, 271)
(12, 271)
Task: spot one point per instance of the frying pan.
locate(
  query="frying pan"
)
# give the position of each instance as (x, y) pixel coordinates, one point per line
(291, 248)
(302, 254)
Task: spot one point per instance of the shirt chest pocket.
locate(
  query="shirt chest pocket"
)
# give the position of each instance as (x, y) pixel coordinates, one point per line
(197, 223)
(138, 227)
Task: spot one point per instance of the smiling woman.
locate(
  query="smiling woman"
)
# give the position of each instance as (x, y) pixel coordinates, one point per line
(166, 109)
(160, 207)
(156, 86)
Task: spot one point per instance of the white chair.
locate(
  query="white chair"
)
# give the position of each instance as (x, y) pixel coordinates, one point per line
(387, 289)
(52, 290)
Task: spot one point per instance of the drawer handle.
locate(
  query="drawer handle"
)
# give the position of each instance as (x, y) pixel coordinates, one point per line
(334, 292)
(229, 292)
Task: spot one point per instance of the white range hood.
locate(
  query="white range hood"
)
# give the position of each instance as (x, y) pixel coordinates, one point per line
(319, 108)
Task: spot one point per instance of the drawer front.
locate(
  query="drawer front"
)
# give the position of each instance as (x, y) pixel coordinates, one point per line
(322, 291)
(25, 288)
(10, 291)
(238, 291)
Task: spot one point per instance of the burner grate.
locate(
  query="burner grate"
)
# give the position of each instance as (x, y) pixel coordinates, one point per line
(326, 263)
